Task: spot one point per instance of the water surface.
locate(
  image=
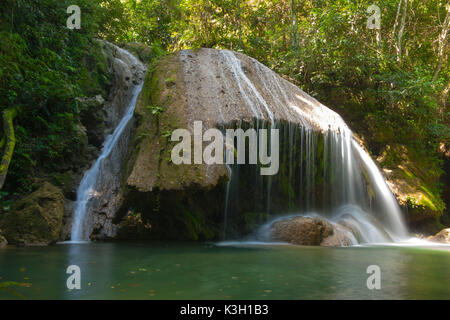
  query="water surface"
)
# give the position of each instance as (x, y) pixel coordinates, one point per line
(207, 271)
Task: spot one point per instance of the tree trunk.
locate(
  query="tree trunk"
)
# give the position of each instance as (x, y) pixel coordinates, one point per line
(294, 25)
(8, 127)
(398, 46)
(442, 42)
(396, 18)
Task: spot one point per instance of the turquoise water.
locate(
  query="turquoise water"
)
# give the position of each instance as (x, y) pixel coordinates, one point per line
(207, 271)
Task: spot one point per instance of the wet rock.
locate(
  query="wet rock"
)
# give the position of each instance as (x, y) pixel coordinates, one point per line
(442, 236)
(302, 230)
(128, 71)
(92, 119)
(193, 77)
(37, 218)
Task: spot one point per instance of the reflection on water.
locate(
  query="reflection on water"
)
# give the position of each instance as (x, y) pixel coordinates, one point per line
(233, 271)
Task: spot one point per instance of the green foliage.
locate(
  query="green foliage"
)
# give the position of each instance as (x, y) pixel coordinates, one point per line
(44, 67)
(5, 202)
(155, 109)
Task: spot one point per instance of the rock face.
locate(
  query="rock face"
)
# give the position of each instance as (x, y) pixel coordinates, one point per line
(217, 87)
(133, 227)
(35, 219)
(442, 236)
(422, 206)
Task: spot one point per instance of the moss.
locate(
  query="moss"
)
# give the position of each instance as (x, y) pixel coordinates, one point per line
(415, 182)
(190, 215)
(63, 180)
(8, 126)
(35, 219)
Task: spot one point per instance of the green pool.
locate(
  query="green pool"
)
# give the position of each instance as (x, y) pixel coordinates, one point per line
(209, 271)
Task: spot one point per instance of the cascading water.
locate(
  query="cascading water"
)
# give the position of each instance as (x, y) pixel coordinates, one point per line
(327, 175)
(323, 170)
(104, 175)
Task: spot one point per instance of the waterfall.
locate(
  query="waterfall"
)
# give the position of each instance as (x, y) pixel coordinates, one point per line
(326, 173)
(323, 171)
(104, 175)
(389, 204)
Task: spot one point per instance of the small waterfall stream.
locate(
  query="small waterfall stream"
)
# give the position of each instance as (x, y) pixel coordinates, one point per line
(104, 175)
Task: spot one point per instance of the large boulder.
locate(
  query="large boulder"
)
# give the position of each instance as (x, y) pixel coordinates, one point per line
(442, 236)
(222, 89)
(310, 231)
(302, 230)
(37, 218)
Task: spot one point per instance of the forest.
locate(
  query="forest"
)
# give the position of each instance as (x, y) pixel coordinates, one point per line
(355, 93)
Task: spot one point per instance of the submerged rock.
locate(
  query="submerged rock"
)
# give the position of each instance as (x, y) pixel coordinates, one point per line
(37, 218)
(442, 236)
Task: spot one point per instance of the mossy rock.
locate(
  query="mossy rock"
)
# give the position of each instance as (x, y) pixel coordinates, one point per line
(65, 181)
(415, 185)
(36, 219)
(145, 53)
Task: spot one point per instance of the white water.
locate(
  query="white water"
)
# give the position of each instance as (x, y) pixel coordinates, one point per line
(87, 189)
(390, 208)
(350, 174)
(358, 194)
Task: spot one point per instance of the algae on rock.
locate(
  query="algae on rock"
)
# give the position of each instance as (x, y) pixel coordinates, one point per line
(36, 219)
